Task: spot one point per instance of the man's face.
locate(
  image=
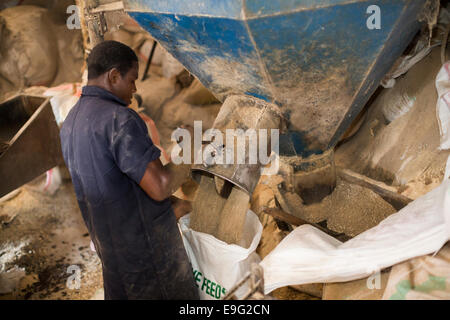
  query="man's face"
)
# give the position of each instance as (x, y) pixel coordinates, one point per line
(124, 87)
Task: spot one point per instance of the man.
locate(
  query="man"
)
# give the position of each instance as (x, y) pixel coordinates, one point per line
(121, 186)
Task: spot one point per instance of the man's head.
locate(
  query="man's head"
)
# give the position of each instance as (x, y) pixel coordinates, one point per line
(114, 67)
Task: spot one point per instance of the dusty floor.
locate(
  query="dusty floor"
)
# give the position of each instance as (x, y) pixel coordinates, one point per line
(38, 247)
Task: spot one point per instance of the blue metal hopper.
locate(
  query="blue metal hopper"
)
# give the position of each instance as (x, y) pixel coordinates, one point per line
(317, 60)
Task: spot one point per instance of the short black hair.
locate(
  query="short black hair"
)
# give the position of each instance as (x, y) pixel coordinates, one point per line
(108, 55)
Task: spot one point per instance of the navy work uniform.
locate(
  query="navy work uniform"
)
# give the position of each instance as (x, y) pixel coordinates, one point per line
(106, 148)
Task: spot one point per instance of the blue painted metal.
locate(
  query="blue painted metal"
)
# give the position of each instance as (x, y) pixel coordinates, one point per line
(316, 59)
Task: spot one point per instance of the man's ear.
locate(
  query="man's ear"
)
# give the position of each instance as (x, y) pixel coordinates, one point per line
(113, 75)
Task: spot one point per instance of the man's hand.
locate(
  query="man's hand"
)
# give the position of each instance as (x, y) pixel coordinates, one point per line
(180, 207)
(156, 181)
(160, 182)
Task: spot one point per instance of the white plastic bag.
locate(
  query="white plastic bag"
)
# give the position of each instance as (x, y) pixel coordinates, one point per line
(64, 97)
(308, 255)
(447, 204)
(219, 266)
(443, 105)
(396, 104)
(53, 181)
(48, 185)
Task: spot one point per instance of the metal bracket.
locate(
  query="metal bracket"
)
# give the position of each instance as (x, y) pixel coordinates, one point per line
(255, 282)
(96, 20)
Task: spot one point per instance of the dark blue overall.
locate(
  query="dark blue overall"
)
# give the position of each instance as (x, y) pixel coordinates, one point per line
(106, 148)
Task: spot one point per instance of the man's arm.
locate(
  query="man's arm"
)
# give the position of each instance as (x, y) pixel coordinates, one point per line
(156, 181)
(160, 182)
(180, 207)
